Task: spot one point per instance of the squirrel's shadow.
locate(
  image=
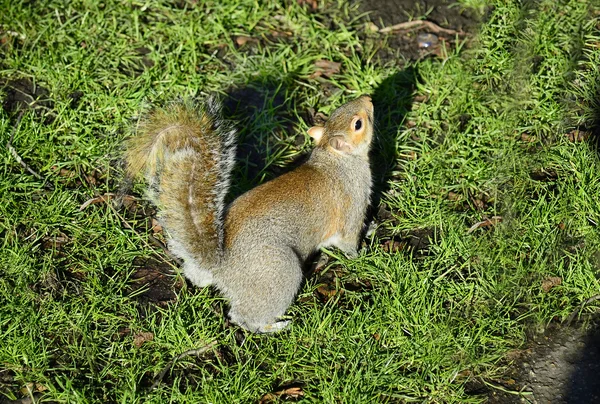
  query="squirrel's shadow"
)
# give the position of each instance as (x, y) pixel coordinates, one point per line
(267, 127)
(267, 133)
(392, 100)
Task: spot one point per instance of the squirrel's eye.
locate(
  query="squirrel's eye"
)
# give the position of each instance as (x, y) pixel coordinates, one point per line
(358, 124)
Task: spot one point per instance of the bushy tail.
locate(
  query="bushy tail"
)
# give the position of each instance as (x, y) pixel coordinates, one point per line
(187, 153)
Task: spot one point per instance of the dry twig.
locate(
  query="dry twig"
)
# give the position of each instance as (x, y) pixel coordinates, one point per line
(431, 26)
(191, 352)
(485, 223)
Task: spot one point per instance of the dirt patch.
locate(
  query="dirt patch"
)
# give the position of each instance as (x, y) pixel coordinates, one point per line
(560, 366)
(154, 282)
(23, 93)
(445, 13)
(419, 41)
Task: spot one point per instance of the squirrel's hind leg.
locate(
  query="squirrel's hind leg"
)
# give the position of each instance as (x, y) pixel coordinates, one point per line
(261, 291)
(198, 276)
(191, 268)
(275, 327)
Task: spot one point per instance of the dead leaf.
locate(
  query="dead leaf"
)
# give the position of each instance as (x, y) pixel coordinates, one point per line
(312, 4)
(393, 246)
(55, 242)
(485, 223)
(527, 137)
(420, 98)
(156, 227)
(140, 338)
(124, 331)
(551, 282)
(128, 200)
(453, 196)
(328, 291)
(93, 178)
(479, 204)
(325, 68)
(577, 135)
(290, 392)
(267, 398)
(33, 387)
(98, 199)
(243, 40)
(63, 172)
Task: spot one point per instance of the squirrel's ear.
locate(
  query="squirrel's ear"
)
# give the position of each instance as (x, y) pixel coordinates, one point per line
(316, 132)
(339, 144)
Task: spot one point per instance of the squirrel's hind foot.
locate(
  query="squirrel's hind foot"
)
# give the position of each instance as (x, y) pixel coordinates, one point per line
(275, 327)
(260, 327)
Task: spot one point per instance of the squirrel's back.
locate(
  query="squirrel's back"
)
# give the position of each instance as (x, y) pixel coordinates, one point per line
(306, 206)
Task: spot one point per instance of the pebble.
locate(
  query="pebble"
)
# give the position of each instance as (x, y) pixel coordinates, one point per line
(427, 40)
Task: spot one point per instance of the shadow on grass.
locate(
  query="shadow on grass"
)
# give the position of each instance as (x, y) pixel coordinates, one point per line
(584, 384)
(392, 100)
(269, 143)
(593, 127)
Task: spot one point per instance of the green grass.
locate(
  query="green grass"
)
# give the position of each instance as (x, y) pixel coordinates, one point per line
(488, 120)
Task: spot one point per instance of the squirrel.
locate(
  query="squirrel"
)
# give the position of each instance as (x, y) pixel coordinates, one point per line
(253, 249)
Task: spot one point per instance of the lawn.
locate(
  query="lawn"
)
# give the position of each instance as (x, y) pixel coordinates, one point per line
(485, 212)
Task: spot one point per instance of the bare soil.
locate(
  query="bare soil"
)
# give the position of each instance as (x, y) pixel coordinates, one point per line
(446, 14)
(561, 365)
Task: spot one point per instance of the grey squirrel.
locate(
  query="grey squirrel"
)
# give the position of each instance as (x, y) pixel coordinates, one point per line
(253, 249)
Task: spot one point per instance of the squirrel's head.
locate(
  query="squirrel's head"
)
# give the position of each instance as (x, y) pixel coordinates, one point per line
(349, 129)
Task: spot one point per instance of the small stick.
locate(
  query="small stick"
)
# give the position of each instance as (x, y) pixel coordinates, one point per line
(191, 352)
(498, 386)
(15, 154)
(577, 311)
(433, 27)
